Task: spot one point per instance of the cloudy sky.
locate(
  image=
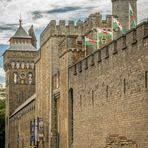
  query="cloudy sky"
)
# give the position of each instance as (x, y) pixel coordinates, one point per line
(40, 12)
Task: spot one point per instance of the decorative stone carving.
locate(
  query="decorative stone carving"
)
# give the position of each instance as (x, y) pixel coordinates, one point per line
(23, 65)
(22, 77)
(32, 65)
(17, 65)
(13, 65)
(27, 65)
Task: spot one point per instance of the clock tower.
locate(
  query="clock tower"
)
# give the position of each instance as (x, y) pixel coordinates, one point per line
(19, 65)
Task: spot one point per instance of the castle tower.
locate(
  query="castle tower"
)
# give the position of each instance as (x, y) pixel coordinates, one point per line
(120, 9)
(19, 68)
(20, 72)
(32, 34)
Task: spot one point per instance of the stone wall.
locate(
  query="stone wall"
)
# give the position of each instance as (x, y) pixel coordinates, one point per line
(110, 90)
(19, 126)
(18, 66)
(46, 67)
(54, 29)
(120, 9)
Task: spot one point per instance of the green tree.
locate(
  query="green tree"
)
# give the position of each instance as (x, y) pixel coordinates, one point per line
(2, 123)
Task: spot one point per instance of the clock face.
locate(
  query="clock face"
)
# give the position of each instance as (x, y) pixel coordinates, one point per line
(22, 75)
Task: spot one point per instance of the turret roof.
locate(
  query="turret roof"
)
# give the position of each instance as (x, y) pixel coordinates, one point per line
(21, 33)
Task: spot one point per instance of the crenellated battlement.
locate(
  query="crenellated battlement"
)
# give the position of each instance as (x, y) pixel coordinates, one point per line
(125, 42)
(55, 28)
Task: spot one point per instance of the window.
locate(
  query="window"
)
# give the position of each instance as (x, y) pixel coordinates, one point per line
(70, 116)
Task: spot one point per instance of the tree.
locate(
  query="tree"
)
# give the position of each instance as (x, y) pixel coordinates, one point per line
(2, 123)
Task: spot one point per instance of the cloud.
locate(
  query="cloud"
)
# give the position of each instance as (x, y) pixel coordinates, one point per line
(8, 27)
(2, 76)
(64, 10)
(39, 13)
(2, 72)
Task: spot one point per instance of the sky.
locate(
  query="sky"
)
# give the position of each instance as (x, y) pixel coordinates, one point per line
(40, 12)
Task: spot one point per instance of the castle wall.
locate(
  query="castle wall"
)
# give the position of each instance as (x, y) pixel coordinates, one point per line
(46, 67)
(110, 90)
(19, 126)
(54, 29)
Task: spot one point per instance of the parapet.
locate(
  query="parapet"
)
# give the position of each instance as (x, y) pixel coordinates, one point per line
(72, 28)
(132, 38)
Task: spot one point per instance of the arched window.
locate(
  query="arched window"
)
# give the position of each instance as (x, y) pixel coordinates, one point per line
(70, 108)
(15, 77)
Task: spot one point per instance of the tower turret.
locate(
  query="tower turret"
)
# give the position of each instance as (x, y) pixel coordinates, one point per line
(120, 9)
(19, 68)
(32, 34)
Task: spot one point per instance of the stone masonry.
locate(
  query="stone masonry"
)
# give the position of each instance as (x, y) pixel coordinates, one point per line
(110, 93)
(86, 97)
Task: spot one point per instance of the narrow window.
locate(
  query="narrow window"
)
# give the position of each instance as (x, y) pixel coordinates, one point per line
(107, 89)
(92, 97)
(81, 101)
(145, 79)
(124, 87)
(70, 117)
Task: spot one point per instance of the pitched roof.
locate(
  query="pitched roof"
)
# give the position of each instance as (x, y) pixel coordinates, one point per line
(22, 47)
(21, 33)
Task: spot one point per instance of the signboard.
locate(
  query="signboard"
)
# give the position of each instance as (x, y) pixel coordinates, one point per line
(40, 129)
(32, 132)
(36, 131)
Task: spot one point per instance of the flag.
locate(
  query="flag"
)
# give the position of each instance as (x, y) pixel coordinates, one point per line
(132, 15)
(102, 33)
(89, 42)
(117, 24)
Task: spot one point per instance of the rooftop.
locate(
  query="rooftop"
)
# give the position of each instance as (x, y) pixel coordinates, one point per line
(21, 33)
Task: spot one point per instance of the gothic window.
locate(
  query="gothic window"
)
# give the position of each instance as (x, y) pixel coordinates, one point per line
(15, 77)
(30, 78)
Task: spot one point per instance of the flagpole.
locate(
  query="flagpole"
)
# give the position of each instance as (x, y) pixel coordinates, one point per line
(112, 29)
(85, 45)
(97, 39)
(129, 16)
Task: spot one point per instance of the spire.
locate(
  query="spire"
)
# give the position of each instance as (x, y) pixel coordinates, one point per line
(21, 33)
(20, 20)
